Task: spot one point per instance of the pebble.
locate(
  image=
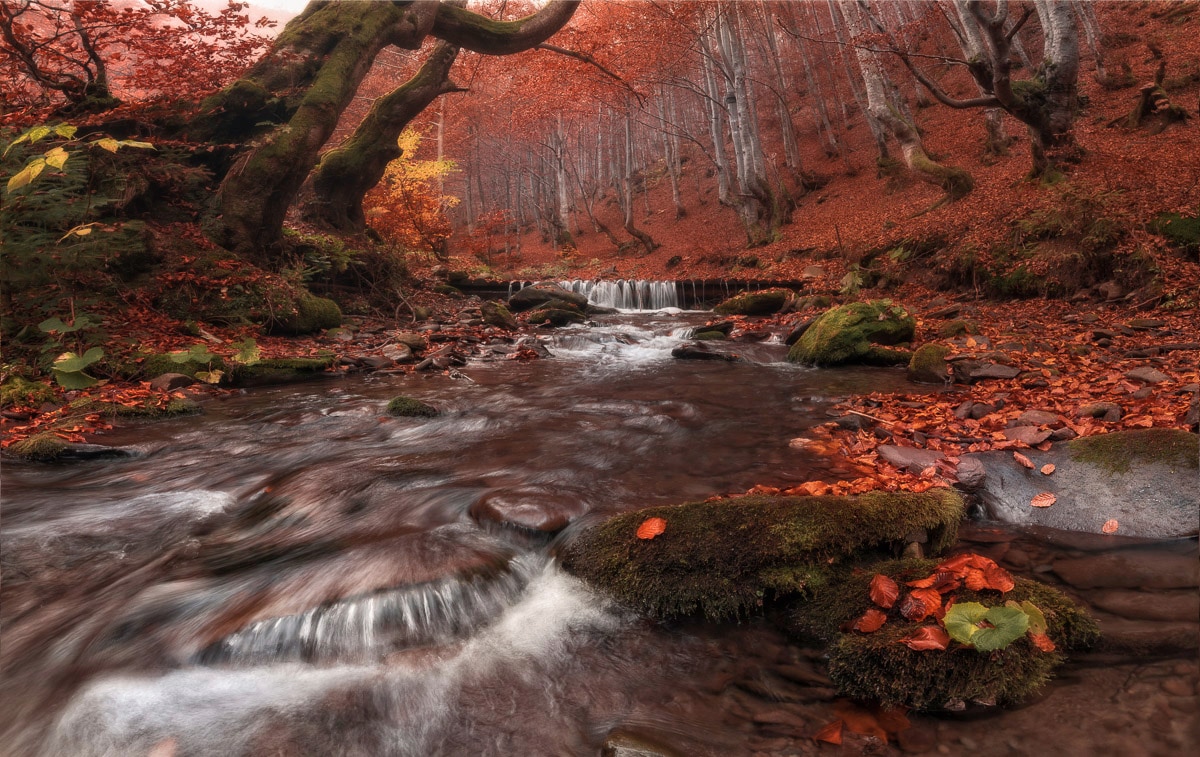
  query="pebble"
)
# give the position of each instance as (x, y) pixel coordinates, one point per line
(1130, 570)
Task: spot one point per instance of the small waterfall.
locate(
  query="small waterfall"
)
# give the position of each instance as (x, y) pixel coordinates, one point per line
(626, 294)
(374, 624)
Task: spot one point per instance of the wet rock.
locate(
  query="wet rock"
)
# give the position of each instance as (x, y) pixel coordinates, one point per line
(1030, 435)
(1145, 324)
(980, 410)
(928, 364)
(725, 327)
(1146, 480)
(527, 509)
(168, 382)
(377, 362)
(414, 341)
(1063, 434)
(622, 744)
(1147, 375)
(495, 314)
(1105, 411)
(1130, 569)
(970, 472)
(765, 302)
(856, 333)
(1140, 605)
(963, 410)
(798, 330)
(1140, 639)
(700, 351)
(1098, 334)
(542, 293)
(1038, 418)
(556, 317)
(911, 459)
(397, 353)
(408, 407)
(852, 422)
(994, 371)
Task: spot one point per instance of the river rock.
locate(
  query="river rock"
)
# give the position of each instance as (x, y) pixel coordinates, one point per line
(398, 353)
(911, 459)
(1147, 375)
(856, 333)
(1030, 435)
(1130, 569)
(495, 314)
(700, 351)
(798, 330)
(542, 293)
(528, 509)
(764, 302)
(414, 341)
(928, 364)
(970, 473)
(1105, 411)
(1141, 605)
(169, 382)
(994, 371)
(1038, 418)
(1140, 639)
(1146, 480)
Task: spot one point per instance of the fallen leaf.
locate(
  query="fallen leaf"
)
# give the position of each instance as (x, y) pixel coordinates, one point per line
(1045, 499)
(830, 733)
(884, 591)
(1024, 461)
(1042, 642)
(1110, 526)
(651, 527)
(927, 638)
(871, 621)
(1047, 469)
(920, 604)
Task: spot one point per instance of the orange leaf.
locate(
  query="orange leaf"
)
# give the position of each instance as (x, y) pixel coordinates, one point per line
(651, 527)
(1047, 469)
(1024, 461)
(998, 578)
(1110, 526)
(871, 621)
(830, 733)
(927, 638)
(884, 591)
(920, 604)
(1045, 499)
(1042, 642)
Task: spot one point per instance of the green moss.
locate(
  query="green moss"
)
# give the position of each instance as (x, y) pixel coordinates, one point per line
(312, 314)
(709, 335)
(951, 329)
(44, 446)
(854, 333)
(407, 407)
(766, 302)
(1183, 232)
(878, 666)
(21, 393)
(495, 314)
(148, 409)
(158, 364)
(555, 316)
(723, 558)
(277, 371)
(1116, 452)
(928, 364)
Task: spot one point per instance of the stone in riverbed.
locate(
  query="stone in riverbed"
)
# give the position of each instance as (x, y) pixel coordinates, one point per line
(542, 293)
(857, 333)
(928, 364)
(1147, 375)
(912, 459)
(528, 509)
(764, 302)
(169, 382)
(700, 351)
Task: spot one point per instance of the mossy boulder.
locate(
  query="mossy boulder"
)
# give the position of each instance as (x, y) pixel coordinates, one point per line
(723, 558)
(45, 446)
(1117, 452)
(705, 336)
(312, 314)
(765, 302)
(407, 407)
(495, 314)
(856, 333)
(147, 409)
(555, 317)
(278, 371)
(877, 666)
(18, 392)
(928, 364)
(957, 327)
(159, 363)
(542, 293)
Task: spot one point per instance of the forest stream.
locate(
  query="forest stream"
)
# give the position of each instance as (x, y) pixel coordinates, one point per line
(294, 572)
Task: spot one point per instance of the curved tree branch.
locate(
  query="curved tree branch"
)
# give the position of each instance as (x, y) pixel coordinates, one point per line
(480, 34)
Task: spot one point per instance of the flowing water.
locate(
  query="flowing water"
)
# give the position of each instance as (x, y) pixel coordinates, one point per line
(294, 572)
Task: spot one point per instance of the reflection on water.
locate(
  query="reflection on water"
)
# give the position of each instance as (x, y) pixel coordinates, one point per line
(294, 570)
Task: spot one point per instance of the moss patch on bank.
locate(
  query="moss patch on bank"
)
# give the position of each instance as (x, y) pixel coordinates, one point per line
(1117, 451)
(723, 558)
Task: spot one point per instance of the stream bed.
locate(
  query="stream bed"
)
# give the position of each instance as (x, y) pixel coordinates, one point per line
(295, 572)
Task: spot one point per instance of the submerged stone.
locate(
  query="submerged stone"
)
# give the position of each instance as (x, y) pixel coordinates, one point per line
(722, 558)
(408, 407)
(860, 332)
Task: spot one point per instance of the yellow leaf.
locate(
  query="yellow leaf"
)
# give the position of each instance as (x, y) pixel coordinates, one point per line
(132, 143)
(26, 174)
(108, 143)
(57, 158)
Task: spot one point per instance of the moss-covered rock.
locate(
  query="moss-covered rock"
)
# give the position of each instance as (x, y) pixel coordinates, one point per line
(160, 363)
(766, 302)
(704, 336)
(958, 327)
(148, 409)
(46, 446)
(19, 392)
(878, 666)
(928, 364)
(495, 314)
(1117, 451)
(723, 558)
(555, 317)
(312, 314)
(407, 407)
(859, 332)
(277, 371)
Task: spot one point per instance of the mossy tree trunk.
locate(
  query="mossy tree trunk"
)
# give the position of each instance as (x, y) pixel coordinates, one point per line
(290, 101)
(347, 173)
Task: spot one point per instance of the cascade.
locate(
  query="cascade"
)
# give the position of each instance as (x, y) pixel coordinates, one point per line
(626, 294)
(373, 624)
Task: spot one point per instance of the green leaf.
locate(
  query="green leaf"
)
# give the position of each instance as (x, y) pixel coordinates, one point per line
(27, 174)
(23, 138)
(1008, 625)
(108, 143)
(39, 132)
(210, 377)
(66, 131)
(1037, 620)
(133, 143)
(51, 325)
(69, 362)
(247, 352)
(962, 620)
(73, 379)
(57, 158)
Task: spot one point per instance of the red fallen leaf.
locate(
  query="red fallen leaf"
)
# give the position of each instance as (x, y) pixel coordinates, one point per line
(1047, 469)
(1024, 461)
(871, 621)
(920, 604)
(1110, 526)
(651, 527)
(884, 591)
(1042, 642)
(1045, 499)
(975, 580)
(868, 722)
(830, 733)
(957, 563)
(998, 578)
(927, 638)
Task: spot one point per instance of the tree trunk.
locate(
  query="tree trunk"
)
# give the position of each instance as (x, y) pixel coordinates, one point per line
(347, 173)
(305, 82)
